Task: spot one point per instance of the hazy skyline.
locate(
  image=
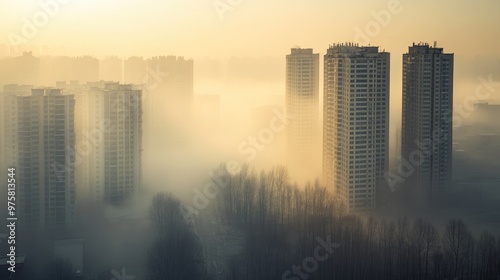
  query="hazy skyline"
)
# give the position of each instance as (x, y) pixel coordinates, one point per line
(249, 28)
(198, 30)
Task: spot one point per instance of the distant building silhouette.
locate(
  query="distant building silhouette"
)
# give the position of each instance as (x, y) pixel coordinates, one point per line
(167, 83)
(47, 70)
(427, 135)
(356, 123)
(24, 70)
(111, 69)
(485, 117)
(170, 81)
(135, 70)
(475, 145)
(64, 68)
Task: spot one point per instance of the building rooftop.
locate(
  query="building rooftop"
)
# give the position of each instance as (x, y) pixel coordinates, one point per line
(424, 48)
(353, 48)
(298, 50)
(46, 91)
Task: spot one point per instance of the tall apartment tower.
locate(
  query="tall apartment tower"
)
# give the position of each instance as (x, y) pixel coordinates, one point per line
(302, 106)
(427, 111)
(109, 137)
(356, 123)
(39, 132)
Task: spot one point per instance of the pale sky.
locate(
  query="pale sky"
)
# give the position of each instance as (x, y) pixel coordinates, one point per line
(193, 28)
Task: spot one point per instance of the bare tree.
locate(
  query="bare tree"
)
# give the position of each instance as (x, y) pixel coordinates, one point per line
(456, 245)
(498, 259)
(177, 257)
(387, 243)
(486, 256)
(438, 265)
(165, 213)
(402, 243)
(177, 253)
(423, 242)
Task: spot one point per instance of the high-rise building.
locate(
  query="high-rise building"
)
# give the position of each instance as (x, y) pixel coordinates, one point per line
(302, 106)
(109, 141)
(427, 110)
(39, 131)
(356, 123)
(8, 91)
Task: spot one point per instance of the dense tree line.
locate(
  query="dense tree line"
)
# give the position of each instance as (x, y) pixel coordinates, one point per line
(177, 253)
(284, 223)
